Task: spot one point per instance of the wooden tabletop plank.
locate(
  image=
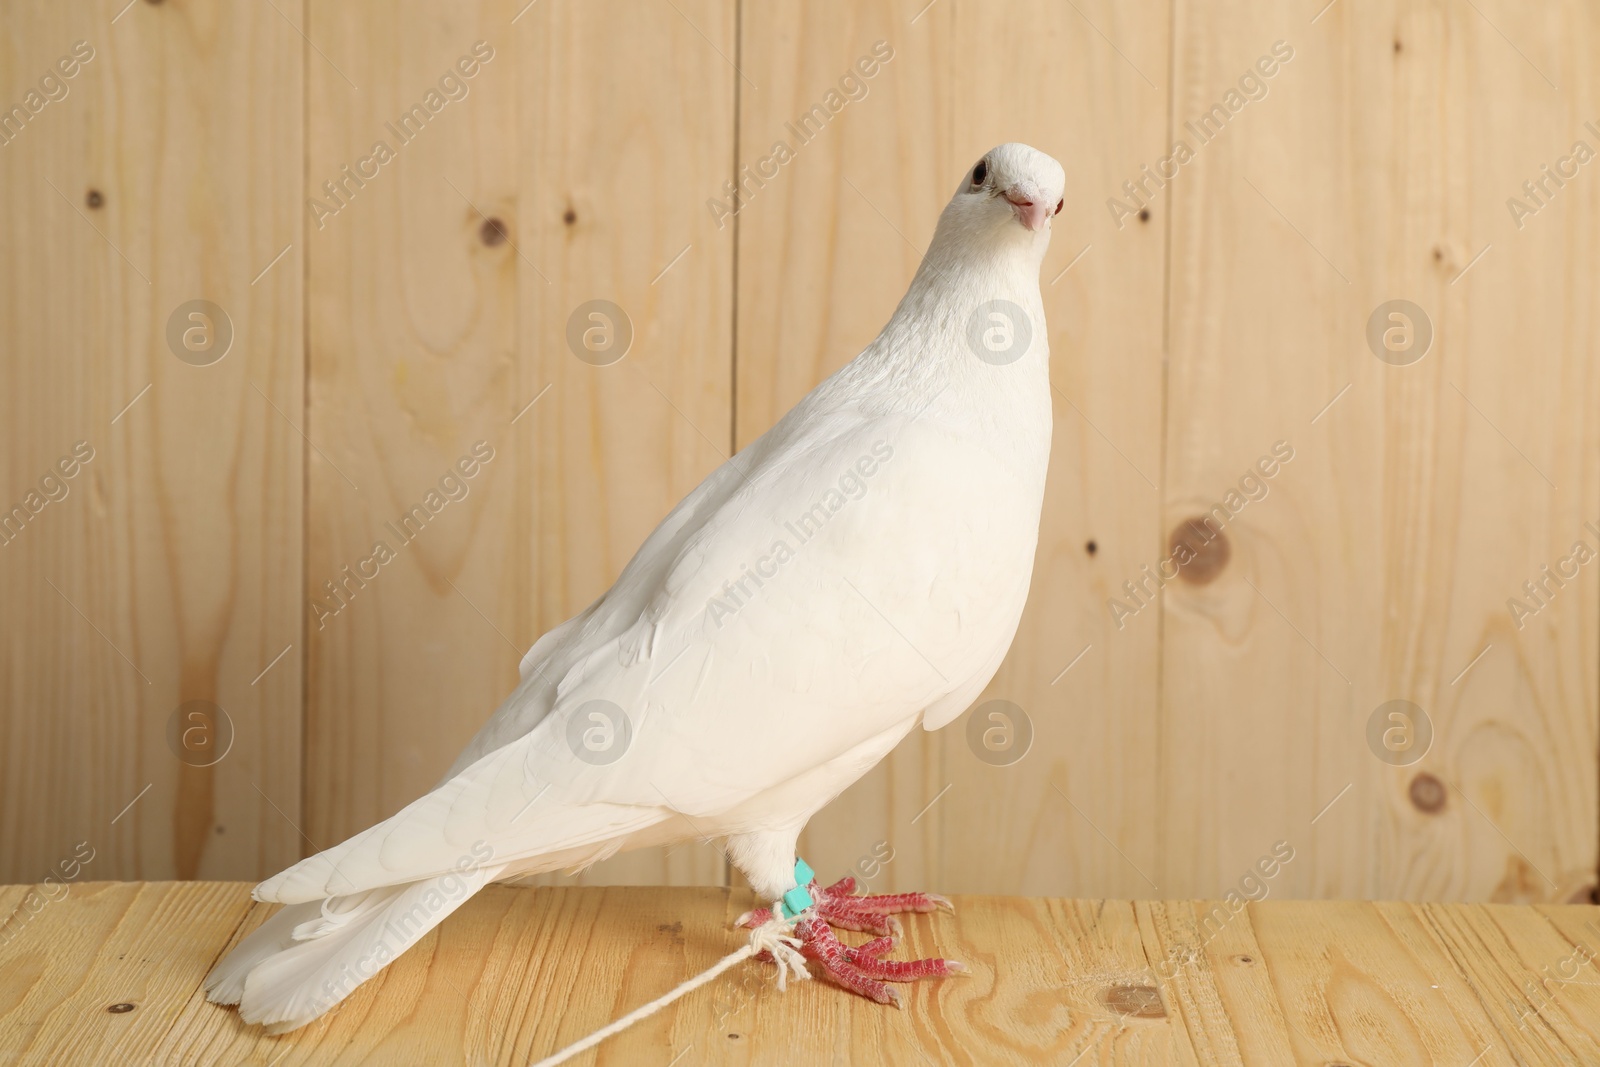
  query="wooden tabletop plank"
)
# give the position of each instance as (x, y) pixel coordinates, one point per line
(1212, 972)
(1569, 983)
(520, 972)
(1515, 959)
(1116, 1010)
(1353, 990)
(101, 945)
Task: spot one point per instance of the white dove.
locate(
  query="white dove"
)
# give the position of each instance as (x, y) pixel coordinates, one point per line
(857, 570)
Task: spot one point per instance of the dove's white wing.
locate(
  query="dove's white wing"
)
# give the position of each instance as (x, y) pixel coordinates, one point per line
(828, 652)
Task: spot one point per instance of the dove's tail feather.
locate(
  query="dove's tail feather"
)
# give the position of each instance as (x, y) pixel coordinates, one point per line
(225, 983)
(308, 957)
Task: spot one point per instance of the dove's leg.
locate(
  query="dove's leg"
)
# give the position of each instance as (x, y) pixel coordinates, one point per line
(861, 969)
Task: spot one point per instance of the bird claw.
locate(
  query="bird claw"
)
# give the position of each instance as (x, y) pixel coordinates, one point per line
(861, 968)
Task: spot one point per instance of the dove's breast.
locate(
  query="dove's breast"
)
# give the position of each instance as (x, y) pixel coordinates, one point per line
(953, 546)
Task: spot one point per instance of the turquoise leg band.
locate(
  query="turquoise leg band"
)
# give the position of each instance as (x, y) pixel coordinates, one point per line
(798, 899)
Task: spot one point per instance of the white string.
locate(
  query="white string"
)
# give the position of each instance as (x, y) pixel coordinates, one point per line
(771, 936)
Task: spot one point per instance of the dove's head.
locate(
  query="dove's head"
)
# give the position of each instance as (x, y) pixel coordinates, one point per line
(1009, 197)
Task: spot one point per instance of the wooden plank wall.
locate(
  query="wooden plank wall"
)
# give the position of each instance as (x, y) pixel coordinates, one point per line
(1174, 740)
(441, 297)
(166, 170)
(1378, 567)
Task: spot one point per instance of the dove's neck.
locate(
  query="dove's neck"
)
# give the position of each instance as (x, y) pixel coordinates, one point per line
(957, 292)
(944, 353)
(951, 279)
(945, 356)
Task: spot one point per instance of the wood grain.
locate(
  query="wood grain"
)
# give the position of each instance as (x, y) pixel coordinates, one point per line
(108, 944)
(518, 973)
(614, 179)
(1379, 565)
(169, 172)
(432, 331)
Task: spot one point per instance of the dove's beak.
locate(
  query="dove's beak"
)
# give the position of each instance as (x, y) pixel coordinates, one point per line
(1029, 205)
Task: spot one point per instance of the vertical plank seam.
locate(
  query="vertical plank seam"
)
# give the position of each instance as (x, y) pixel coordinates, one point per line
(1161, 474)
(733, 283)
(305, 420)
(733, 166)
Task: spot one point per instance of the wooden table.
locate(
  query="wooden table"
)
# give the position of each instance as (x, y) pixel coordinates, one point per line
(519, 972)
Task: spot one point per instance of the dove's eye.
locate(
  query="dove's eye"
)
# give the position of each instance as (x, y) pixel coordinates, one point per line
(1060, 204)
(980, 172)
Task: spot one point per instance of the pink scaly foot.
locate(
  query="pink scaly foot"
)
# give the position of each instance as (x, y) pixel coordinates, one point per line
(861, 969)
